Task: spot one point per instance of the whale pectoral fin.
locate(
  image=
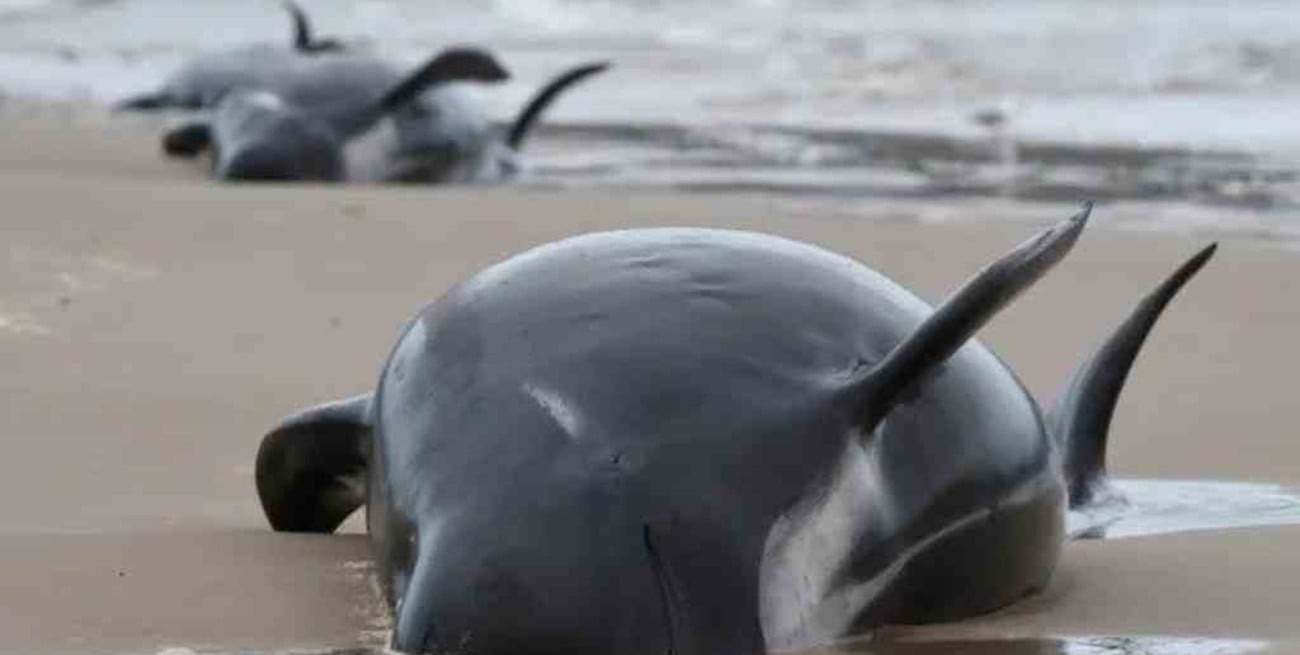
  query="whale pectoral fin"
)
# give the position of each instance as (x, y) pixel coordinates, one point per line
(1080, 420)
(958, 318)
(187, 140)
(311, 468)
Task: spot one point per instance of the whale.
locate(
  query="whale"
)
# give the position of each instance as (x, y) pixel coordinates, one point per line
(203, 80)
(259, 135)
(456, 147)
(432, 136)
(691, 441)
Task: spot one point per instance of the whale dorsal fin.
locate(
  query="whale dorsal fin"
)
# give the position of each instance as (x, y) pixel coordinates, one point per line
(527, 118)
(311, 468)
(1080, 420)
(302, 39)
(959, 317)
(460, 64)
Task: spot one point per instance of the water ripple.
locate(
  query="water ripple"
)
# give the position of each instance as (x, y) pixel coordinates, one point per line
(1155, 507)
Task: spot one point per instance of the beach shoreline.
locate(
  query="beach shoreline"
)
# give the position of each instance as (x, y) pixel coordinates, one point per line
(154, 324)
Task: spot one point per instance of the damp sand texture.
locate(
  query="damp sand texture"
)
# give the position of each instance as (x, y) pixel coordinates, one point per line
(156, 325)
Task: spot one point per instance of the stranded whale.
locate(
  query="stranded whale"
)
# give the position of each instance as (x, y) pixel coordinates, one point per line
(702, 441)
(259, 135)
(203, 80)
(489, 157)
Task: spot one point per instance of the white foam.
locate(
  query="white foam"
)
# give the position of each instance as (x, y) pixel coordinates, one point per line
(1167, 70)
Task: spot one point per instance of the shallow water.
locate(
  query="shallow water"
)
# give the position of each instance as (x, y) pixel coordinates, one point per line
(1150, 73)
(1156, 507)
(862, 164)
(1073, 645)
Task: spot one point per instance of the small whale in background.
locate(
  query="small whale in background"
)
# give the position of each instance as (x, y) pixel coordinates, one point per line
(202, 81)
(489, 157)
(696, 441)
(261, 135)
(257, 134)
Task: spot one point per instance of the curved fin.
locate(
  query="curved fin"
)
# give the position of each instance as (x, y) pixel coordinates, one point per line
(311, 468)
(527, 118)
(188, 140)
(450, 65)
(302, 40)
(1080, 420)
(958, 318)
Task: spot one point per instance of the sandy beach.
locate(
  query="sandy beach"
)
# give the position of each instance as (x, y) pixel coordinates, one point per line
(153, 325)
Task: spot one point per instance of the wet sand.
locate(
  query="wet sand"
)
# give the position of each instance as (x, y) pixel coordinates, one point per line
(153, 325)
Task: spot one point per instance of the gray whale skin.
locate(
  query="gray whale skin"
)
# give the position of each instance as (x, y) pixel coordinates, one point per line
(703, 442)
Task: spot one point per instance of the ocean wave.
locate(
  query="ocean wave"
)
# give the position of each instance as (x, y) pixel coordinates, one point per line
(769, 60)
(1169, 100)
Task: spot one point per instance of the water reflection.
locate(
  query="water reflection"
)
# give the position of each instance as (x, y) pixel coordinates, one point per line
(1154, 507)
(1081, 645)
(882, 164)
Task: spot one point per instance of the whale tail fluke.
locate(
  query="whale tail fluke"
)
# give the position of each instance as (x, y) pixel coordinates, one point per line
(311, 468)
(1080, 420)
(958, 318)
(527, 119)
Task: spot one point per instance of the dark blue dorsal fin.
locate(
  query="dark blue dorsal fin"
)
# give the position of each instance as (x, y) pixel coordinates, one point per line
(527, 118)
(959, 317)
(302, 39)
(1080, 420)
(458, 64)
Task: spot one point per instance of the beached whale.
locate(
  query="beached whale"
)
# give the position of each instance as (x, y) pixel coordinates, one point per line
(259, 134)
(702, 441)
(205, 79)
(481, 155)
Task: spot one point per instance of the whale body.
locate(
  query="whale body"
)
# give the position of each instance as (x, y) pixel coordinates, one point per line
(705, 442)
